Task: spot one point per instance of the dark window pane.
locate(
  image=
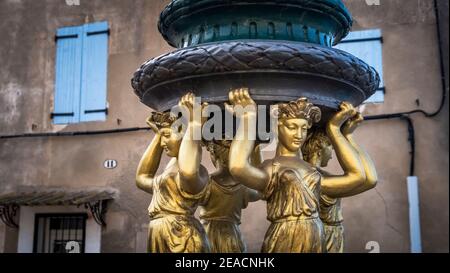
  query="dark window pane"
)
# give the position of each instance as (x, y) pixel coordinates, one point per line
(54, 231)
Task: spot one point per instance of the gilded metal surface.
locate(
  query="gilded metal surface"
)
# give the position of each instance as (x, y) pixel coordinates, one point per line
(303, 201)
(291, 186)
(178, 190)
(317, 151)
(223, 202)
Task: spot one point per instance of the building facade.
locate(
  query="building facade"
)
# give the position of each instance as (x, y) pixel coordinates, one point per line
(59, 186)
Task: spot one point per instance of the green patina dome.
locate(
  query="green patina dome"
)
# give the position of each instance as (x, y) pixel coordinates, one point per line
(186, 23)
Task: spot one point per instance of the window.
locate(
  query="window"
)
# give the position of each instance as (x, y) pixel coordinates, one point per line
(81, 73)
(30, 234)
(367, 45)
(54, 231)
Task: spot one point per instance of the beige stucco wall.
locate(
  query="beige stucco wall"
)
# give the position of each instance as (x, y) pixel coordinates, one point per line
(27, 54)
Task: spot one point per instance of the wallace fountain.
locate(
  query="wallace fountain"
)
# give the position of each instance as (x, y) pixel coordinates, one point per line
(239, 55)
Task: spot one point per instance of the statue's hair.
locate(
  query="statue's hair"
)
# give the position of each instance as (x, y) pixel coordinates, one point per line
(316, 141)
(300, 108)
(218, 144)
(219, 150)
(162, 119)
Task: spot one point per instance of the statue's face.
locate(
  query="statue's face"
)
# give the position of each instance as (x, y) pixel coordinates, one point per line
(326, 155)
(170, 142)
(292, 133)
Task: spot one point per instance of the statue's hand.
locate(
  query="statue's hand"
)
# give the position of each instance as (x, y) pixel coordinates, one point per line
(346, 112)
(205, 117)
(188, 102)
(353, 123)
(151, 123)
(241, 102)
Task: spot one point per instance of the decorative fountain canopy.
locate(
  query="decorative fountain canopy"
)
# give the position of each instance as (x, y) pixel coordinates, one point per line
(186, 23)
(279, 49)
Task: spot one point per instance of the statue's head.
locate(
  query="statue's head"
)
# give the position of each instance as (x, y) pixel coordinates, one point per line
(170, 138)
(219, 151)
(294, 120)
(317, 150)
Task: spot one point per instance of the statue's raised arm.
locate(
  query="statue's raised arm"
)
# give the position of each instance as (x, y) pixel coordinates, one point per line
(243, 143)
(192, 175)
(354, 175)
(367, 164)
(151, 159)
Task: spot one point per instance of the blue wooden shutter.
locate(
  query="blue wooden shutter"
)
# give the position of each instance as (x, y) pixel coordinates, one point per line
(94, 72)
(367, 45)
(68, 75)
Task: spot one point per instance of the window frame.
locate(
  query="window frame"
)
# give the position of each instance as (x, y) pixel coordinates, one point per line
(73, 91)
(372, 35)
(37, 216)
(26, 227)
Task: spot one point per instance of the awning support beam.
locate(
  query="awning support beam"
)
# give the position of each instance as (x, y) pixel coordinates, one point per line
(8, 214)
(98, 210)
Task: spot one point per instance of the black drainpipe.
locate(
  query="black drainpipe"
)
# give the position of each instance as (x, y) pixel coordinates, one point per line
(405, 115)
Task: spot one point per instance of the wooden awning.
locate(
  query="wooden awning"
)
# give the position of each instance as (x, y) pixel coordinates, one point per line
(93, 199)
(57, 197)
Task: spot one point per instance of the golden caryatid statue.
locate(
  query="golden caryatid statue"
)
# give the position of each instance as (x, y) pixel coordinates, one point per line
(178, 190)
(224, 199)
(303, 200)
(291, 186)
(318, 151)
